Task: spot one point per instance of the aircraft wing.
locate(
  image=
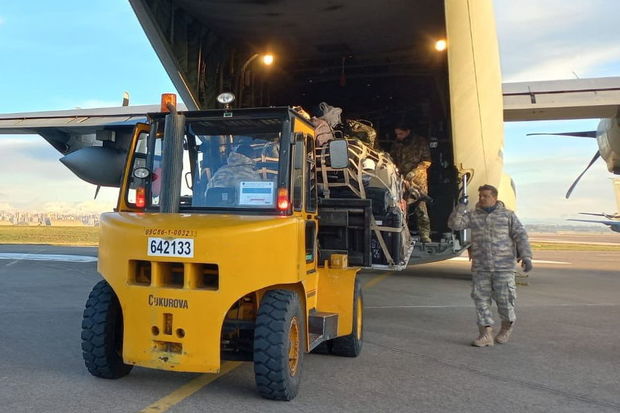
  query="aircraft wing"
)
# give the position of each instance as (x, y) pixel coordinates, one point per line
(70, 130)
(613, 225)
(562, 99)
(94, 141)
(602, 214)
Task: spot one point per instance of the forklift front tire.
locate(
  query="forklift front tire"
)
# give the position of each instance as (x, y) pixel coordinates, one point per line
(279, 345)
(102, 334)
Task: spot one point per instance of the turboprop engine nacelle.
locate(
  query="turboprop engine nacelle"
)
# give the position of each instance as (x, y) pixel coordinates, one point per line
(97, 165)
(608, 139)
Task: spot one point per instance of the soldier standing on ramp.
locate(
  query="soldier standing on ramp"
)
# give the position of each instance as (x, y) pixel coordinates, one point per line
(412, 157)
(498, 239)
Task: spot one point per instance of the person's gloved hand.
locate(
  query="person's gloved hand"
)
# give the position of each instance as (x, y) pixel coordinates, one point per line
(464, 200)
(526, 264)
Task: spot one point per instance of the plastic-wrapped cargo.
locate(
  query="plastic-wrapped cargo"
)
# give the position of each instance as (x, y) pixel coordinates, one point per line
(372, 176)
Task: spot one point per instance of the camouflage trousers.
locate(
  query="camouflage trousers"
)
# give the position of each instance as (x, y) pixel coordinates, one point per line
(421, 218)
(419, 179)
(499, 286)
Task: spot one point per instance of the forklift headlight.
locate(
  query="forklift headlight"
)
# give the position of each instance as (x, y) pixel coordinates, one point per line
(141, 173)
(226, 98)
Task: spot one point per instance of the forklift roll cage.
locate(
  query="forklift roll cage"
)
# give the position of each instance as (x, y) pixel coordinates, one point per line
(280, 121)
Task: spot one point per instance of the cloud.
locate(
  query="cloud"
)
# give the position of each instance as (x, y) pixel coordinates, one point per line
(551, 39)
(2, 20)
(566, 66)
(37, 178)
(547, 16)
(542, 184)
(85, 207)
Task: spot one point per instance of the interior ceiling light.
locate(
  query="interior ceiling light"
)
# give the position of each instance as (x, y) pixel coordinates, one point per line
(441, 45)
(268, 59)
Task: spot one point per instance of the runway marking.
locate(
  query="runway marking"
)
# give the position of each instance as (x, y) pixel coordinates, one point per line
(189, 388)
(377, 279)
(552, 241)
(44, 257)
(415, 306)
(387, 307)
(534, 261)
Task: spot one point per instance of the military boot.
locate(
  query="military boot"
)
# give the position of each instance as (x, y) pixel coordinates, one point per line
(504, 334)
(486, 337)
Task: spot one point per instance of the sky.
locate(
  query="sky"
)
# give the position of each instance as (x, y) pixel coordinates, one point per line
(70, 54)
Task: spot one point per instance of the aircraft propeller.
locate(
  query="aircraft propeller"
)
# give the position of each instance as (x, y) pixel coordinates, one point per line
(570, 190)
(585, 134)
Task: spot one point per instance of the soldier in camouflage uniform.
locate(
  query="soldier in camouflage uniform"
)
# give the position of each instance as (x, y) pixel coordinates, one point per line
(498, 240)
(412, 157)
(240, 167)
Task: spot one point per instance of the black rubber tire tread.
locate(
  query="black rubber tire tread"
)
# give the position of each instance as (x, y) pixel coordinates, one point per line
(323, 348)
(271, 345)
(351, 346)
(102, 328)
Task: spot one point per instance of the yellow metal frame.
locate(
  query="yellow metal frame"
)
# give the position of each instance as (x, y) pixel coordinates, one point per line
(122, 204)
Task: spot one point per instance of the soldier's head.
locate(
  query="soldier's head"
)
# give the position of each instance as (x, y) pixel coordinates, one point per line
(246, 150)
(487, 196)
(402, 131)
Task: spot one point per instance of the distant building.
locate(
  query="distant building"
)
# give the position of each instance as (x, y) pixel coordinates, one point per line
(47, 219)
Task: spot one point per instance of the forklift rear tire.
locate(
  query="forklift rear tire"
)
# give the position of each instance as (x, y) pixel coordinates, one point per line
(279, 345)
(351, 345)
(102, 334)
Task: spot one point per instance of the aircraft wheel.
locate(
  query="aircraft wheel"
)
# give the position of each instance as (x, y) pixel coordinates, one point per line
(102, 334)
(279, 345)
(351, 345)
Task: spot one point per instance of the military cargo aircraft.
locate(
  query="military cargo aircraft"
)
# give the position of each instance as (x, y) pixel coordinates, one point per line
(439, 68)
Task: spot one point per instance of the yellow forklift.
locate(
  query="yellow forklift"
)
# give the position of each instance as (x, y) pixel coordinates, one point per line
(213, 251)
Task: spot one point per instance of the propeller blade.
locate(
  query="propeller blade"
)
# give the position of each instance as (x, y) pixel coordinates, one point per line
(586, 134)
(570, 190)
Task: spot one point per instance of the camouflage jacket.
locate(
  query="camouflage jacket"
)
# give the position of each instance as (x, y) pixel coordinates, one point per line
(410, 154)
(497, 238)
(239, 168)
(412, 157)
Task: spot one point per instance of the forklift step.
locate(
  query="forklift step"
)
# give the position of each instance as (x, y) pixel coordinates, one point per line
(322, 327)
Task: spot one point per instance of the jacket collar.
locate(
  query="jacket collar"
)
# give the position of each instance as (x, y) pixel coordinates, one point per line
(499, 206)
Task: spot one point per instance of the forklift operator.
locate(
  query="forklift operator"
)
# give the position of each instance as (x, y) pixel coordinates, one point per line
(240, 167)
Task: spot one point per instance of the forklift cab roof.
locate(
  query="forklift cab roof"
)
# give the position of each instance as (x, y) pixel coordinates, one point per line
(242, 118)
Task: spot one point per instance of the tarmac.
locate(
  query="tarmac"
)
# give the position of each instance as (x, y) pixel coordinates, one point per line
(563, 356)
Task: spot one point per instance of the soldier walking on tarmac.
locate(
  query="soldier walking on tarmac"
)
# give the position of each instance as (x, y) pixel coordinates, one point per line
(497, 240)
(412, 157)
